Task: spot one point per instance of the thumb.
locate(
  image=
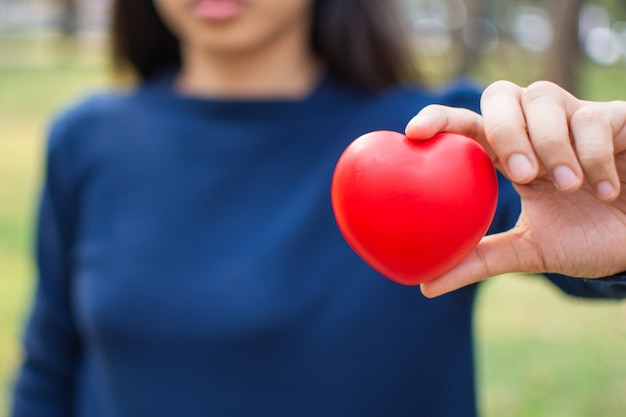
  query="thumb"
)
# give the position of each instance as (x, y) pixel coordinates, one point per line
(495, 254)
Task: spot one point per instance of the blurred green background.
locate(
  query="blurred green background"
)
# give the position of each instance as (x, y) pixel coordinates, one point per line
(539, 352)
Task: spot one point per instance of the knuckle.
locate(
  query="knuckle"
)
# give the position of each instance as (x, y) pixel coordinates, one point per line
(539, 90)
(502, 134)
(588, 116)
(542, 85)
(551, 145)
(596, 159)
(498, 87)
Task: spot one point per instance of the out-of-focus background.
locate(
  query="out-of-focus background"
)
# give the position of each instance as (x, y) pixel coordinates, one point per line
(539, 353)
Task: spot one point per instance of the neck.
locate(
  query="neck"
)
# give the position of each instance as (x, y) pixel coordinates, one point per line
(284, 69)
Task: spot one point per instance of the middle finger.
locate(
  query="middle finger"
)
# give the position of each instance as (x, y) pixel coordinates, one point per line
(545, 109)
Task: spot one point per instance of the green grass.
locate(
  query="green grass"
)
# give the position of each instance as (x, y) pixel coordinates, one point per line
(542, 353)
(539, 353)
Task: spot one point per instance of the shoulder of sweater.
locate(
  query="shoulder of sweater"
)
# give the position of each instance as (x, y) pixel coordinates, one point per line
(94, 105)
(78, 117)
(397, 105)
(459, 92)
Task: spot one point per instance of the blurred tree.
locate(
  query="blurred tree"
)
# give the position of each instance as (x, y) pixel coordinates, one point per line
(563, 58)
(69, 18)
(466, 57)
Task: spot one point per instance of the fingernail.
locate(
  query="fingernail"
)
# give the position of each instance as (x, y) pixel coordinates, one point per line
(520, 167)
(564, 177)
(605, 190)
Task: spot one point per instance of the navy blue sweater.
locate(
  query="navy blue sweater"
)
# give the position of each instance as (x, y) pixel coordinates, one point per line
(190, 266)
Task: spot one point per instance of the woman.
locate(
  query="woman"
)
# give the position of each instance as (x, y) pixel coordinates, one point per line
(189, 260)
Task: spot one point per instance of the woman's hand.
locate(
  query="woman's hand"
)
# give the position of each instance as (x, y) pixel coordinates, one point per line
(567, 160)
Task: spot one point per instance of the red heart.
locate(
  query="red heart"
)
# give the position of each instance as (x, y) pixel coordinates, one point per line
(413, 209)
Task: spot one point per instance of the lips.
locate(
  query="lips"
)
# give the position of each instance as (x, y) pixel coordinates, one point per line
(218, 10)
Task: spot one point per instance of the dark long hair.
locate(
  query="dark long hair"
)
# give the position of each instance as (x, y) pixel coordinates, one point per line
(362, 42)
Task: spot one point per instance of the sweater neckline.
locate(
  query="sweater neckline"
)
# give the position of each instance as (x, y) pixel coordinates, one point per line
(160, 91)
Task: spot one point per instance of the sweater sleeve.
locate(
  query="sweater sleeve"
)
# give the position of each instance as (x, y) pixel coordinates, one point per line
(45, 382)
(509, 208)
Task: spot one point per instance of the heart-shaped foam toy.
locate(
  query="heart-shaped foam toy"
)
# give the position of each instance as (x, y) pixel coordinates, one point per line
(414, 209)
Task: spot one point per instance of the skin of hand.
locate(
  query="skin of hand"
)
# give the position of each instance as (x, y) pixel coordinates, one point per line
(567, 160)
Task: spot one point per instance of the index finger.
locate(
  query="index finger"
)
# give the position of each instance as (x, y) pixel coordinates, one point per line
(506, 131)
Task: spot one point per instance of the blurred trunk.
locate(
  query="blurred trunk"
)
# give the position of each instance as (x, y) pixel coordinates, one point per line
(69, 19)
(564, 55)
(466, 57)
